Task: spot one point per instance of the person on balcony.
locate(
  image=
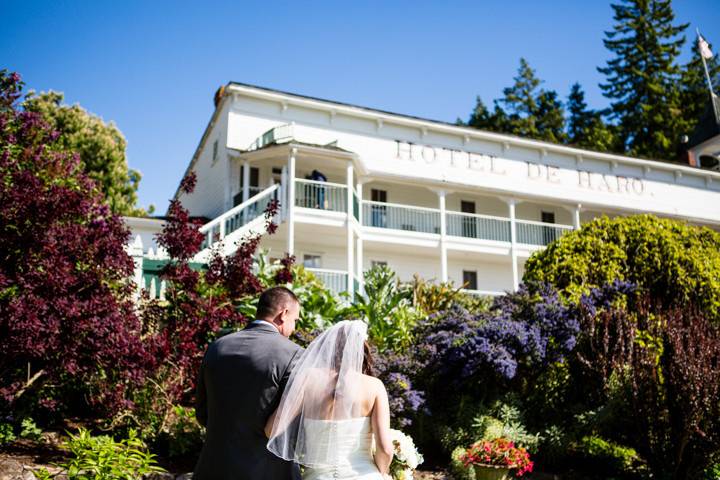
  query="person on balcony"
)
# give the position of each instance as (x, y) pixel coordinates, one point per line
(318, 176)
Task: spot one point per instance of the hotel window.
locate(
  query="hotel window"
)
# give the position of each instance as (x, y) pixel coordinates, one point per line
(277, 174)
(215, 152)
(378, 263)
(470, 279)
(469, 224)
(311, 260)
(378, 213)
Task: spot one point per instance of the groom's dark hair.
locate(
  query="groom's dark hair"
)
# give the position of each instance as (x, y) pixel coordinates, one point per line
(272, 299)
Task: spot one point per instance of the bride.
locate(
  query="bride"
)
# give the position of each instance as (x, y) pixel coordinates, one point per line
(333, 410)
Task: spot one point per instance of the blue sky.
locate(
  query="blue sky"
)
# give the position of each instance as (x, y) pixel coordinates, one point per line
(152, 67)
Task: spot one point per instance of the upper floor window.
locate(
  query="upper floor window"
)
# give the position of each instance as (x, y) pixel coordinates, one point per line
(215, 151)
(311, 260)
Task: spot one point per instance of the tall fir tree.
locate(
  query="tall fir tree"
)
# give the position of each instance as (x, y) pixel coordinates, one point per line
(694, 92)
(483, 119)
(531, 112)
(586, 127)
(641, 80)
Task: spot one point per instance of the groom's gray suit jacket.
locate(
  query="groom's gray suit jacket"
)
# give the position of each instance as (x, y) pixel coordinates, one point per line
(242, 378)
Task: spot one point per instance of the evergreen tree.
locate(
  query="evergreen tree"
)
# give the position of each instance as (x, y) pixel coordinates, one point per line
(694, 94)
(550, 117)
(100, 145)
(641, 78)
(520, 100)
(532, 112)
(586, 127)
(482, 119)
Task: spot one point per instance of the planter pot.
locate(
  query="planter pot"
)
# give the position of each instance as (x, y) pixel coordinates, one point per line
(491, 472)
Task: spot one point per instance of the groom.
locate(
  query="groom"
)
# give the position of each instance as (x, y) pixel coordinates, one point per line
(242, 378)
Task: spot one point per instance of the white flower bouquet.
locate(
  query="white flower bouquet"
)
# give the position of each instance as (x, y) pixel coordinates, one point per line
(406, 458)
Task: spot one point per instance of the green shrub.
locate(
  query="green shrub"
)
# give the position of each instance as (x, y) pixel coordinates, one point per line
(457, 468)
(504, 420)
(388, 310)
(7, 433)
(29, 430)
(666, 258)
(712, 472)
(103, 458)
(185, 434)
(609, 457)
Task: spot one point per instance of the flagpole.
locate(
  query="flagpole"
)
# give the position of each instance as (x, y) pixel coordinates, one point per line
(709, 82)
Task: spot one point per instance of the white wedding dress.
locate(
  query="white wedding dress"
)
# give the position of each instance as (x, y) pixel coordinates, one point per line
(320, 422)
(347, 442)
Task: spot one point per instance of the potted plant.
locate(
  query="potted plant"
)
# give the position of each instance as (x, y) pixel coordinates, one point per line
(494, 459)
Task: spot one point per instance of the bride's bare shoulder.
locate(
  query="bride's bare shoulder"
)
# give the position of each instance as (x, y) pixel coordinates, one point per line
(373, 382)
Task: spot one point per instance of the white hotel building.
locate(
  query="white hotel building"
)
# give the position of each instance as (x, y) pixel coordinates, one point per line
(446, 202)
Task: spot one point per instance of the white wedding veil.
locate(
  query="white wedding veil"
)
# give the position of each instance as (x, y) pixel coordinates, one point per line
(323, 388)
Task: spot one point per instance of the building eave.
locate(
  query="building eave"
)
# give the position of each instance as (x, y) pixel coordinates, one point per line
(286, 98)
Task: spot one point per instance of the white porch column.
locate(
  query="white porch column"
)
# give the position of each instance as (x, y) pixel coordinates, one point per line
(350, 246)
(576, 216)
(290, 202)
(283, 196)
(246, 181)
(443, 237)
(359, 240)
(513, 242)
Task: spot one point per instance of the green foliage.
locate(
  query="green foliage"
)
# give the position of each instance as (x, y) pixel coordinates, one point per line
(609, 457)
(457, 467)
(185, 434)
(505, 420)
(103, 458)
(7, 433)
(586, 127)
(712, 472)
(430, 297)
(101, 147)
(666, 258)
(387, 309)
(29, 430)
(642, 76)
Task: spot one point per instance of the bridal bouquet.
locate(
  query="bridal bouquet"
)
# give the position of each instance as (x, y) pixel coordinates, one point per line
(406, 458)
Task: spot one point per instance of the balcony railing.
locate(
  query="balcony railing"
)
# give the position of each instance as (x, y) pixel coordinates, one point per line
(538, 233)
(252, 191)
(483, 293)
(334, 280)
(321, 195)
(239, 216)
(281, 133)
(401, 217)
(482, 227)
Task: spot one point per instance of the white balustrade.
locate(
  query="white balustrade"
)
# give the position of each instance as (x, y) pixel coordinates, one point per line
(238, 216)
(320, 195)
(334, 280)
(539, 233)
(401, 217)
(483, 227)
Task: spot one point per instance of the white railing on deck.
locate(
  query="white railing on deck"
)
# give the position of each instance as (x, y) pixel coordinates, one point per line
(282, 133)
(483, 227)
(321, 195)
(483, 293)
(334, 280)
(539, 233)
(400, 217)
(238, 216)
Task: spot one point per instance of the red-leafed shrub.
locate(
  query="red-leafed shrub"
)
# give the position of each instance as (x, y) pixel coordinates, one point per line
(69, 334)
